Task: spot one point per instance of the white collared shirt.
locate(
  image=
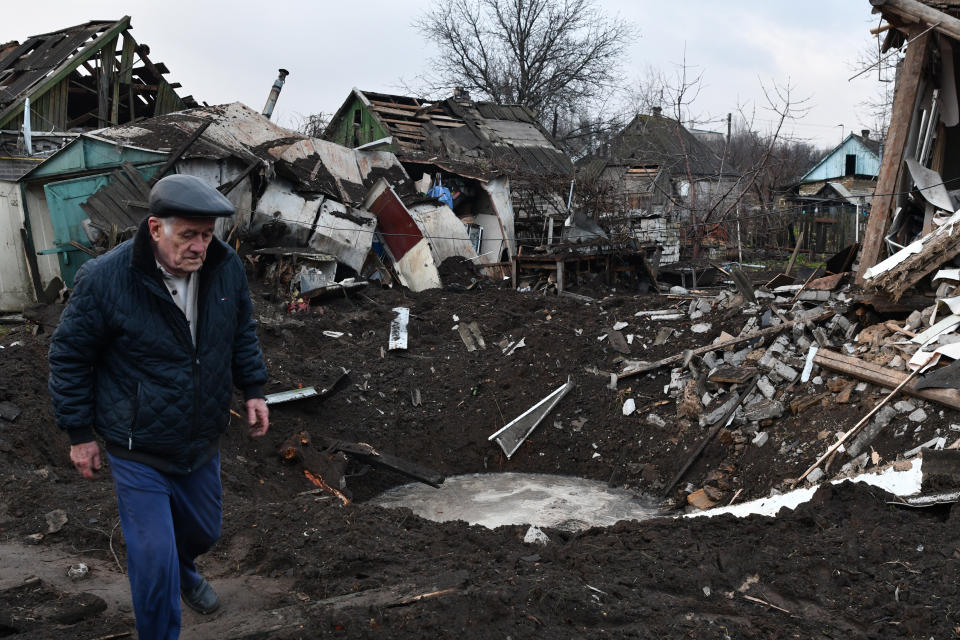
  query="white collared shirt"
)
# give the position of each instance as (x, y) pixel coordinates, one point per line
(184, 293)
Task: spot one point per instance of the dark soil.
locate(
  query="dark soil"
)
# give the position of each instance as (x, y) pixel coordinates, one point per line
(845, 565)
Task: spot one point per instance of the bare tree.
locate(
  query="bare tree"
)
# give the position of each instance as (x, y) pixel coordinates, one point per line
(554, 56)
(874, 68)
(312, 125)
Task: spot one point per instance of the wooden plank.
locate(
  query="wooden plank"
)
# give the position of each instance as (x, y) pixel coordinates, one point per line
(854, 428)
(125, 75)
(394, 105)
(732, 375)
(404, 125)
(913, 10)
(883, 377)
(793, 257)
(891, 168)
(135, 178)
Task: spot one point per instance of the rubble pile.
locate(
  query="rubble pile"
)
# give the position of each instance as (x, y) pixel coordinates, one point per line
(796, 347)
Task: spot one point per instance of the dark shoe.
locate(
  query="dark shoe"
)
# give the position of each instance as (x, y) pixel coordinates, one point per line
(201, 597)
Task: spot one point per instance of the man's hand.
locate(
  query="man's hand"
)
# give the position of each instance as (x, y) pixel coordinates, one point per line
(258, 417)
(86, 458)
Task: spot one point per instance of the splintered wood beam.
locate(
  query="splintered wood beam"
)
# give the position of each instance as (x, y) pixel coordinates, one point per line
(908, 85)
(914, 10)
(179, 151)
(883, 377)
(108, 57)
(936, 251)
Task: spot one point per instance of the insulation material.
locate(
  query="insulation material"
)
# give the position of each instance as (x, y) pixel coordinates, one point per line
(416, 270)
(446, 234)
(499, 192)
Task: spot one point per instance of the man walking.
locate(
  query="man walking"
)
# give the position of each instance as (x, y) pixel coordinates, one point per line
(154, 337)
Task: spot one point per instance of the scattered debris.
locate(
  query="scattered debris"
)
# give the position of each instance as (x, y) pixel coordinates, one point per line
(513, 434)
(471, 336)
(398, 329)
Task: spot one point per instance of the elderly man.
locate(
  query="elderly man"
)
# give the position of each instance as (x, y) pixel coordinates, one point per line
(155, 335)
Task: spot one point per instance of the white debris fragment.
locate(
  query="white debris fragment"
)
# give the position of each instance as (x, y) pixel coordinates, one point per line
(678, 291)
(656, 420)
(619, 325)
(629, 338)
(535, 536)
(905, 406)
(333, 334)
(808, 365)
(78, 571)
(703, 327)
(629, 406)
(761, 438)
(917, 416)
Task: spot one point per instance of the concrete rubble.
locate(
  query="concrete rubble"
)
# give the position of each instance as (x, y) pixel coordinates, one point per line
(813, 351)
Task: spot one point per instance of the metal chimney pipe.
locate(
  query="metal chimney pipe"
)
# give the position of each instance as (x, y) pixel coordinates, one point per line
(275, 93)
(27, 132)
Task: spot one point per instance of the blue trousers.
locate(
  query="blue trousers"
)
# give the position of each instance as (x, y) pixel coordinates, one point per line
(167, 521)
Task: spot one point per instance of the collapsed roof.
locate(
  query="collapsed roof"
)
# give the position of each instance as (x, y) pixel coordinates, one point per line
(315, 167)
(88, 75)
(471, 138)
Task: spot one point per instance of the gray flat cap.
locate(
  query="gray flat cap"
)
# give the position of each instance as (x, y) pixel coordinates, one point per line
(187, 197)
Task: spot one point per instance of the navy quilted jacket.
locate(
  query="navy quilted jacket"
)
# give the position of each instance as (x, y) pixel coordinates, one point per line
(123, 364)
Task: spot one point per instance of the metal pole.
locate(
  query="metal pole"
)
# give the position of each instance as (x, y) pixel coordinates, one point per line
(856, 223)
(739, 244)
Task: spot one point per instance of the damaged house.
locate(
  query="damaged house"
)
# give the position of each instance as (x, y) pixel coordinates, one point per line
(499, 170)
(833, 198)
(323, 207)
(651, 176)
(54, 86)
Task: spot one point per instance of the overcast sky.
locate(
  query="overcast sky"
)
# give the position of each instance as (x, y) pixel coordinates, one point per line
(225, 52)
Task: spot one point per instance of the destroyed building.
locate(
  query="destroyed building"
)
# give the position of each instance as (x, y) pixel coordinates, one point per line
(500, 165)
(650, 177)
(306, 199)
(67, 81)
(915, 194)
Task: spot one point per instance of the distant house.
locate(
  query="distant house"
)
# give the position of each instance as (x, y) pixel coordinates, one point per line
(76, 79)
(855, 163)
(652, 173)
(832, 200)
(478, 149)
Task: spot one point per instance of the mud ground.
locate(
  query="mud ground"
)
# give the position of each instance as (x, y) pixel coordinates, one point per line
(295, 562)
